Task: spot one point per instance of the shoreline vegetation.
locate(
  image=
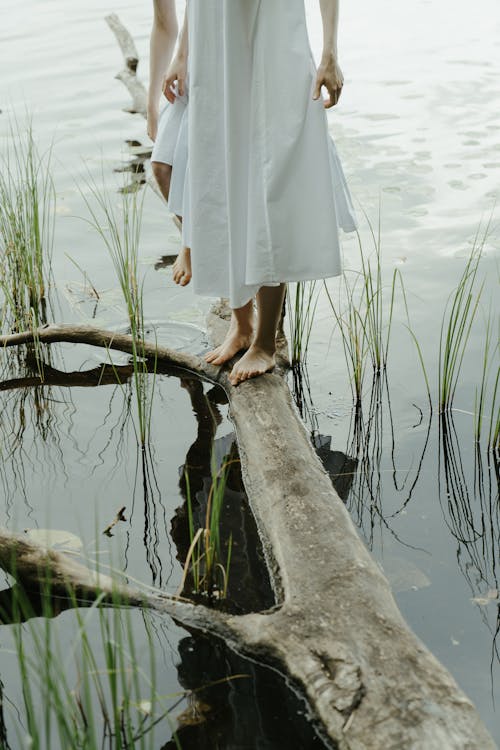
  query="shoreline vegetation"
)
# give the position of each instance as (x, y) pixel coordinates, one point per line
(346, 681)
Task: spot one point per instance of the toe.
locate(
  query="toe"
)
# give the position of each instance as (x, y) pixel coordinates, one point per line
(219, 359)
(211, 356)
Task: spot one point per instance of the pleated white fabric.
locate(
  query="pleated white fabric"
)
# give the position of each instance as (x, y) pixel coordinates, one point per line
(255, 173)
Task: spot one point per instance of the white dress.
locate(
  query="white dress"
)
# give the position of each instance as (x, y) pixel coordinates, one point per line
(255, 173)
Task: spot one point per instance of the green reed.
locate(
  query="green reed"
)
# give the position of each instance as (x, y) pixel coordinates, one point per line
(120, 230)
(96, 693)
(488, 361)
(301, 309)
(27, 215)
(364, 314)
(456, 325)
(209, 572)
(494, 430)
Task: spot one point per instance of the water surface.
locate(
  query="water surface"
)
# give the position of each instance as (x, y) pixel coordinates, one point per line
(417, 130)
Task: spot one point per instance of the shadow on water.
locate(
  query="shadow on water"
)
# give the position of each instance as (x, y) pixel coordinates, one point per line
(259, 710)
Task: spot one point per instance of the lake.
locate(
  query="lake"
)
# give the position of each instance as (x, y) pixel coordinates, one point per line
(418, 133)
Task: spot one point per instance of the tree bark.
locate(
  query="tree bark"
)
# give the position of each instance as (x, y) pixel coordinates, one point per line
(336, 632)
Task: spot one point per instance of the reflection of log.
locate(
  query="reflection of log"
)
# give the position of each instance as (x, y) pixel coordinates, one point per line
(336, 632)
(102, 375)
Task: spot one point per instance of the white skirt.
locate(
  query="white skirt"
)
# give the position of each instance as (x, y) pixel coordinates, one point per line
(255, 174)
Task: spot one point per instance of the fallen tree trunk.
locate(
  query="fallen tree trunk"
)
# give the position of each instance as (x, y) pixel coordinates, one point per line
(337, 631)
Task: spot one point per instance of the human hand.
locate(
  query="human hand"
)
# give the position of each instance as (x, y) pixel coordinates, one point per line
(177, 71)
(152, 122)
(330, 76)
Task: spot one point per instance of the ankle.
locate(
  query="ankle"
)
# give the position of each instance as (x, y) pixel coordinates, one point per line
(243, 325)
(264, 345)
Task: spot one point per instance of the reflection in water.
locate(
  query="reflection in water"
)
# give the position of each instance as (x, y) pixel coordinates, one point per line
(260, 711)
(371, 439)
(27, 425)
(470, 502)
(340, 467)
(358, 474)
(37, 420)
(249, 588)
(301, 390)
(471, 508)
(155, 535)
(4, 744)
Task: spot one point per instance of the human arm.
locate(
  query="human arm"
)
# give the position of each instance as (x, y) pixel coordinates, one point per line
(162, 42)
(177, 70)
(329, 73)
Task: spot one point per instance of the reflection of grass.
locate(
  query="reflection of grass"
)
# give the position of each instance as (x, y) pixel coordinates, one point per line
(96, 695)
(121, 235)
(210, 574)
(372, 442)
(27, 201)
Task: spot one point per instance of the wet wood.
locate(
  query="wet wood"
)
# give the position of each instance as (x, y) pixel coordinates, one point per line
(336, 631)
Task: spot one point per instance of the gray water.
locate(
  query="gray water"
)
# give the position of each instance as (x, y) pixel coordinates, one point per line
(418, 133)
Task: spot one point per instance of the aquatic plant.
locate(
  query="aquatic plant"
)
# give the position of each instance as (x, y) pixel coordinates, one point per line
(120, 232)
(210, 574)
(456, 325)
(27, 215)
(301, 302)
(363, 314)
(494, 430)
(488, 362)
(97, 694)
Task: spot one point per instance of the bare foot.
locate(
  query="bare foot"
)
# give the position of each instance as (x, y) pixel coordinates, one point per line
(256, 361)
(181, 269)
(235, 341)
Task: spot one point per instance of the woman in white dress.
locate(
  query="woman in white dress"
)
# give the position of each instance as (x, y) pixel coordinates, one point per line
(255, 175)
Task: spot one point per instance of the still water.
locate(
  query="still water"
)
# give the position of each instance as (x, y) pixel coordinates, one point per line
(418, 132)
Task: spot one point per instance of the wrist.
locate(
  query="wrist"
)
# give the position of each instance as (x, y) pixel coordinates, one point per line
(329, 56)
